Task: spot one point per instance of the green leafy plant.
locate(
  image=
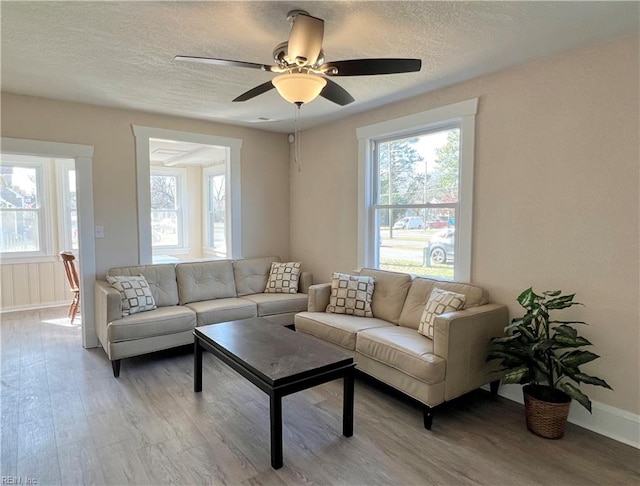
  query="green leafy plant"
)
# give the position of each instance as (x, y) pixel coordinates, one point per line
(542, 351)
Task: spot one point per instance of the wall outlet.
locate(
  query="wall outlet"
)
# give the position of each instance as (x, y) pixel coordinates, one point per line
(99, 231)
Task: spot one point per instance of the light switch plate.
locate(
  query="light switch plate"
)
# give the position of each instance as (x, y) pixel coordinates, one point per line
(99, 231)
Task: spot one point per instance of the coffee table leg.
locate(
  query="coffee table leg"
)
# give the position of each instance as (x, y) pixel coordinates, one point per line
(197, 366)
(276, 430)
(347, 404)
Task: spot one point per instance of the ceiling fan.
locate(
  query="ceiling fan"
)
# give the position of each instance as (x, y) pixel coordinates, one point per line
(303, 74)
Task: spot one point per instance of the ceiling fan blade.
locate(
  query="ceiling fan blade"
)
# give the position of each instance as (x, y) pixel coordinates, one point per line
(368, 67)
(336, 93)
(258, 90)
(305, 39)
(223, 62)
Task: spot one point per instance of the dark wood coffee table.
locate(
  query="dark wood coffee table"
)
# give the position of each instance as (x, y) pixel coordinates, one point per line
(279, 362)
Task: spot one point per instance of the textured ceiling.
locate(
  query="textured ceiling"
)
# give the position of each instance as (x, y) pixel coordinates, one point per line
(121, 53)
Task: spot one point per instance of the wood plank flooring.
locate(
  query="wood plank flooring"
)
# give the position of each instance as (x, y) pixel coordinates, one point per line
(66, 420)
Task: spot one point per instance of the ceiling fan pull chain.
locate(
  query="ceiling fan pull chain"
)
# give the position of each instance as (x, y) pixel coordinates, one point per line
(296, 148)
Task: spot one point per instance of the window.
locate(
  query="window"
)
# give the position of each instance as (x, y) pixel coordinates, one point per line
(24, 207)
(215, 234)
(168, 208)
(67, 205)
(415, 195)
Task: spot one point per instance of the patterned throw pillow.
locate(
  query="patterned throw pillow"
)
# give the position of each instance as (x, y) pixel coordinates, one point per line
(135, 293)
(283, 278)
(351, 294)
(440, 301)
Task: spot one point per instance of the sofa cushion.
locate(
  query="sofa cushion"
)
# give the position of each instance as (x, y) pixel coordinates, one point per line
(403, 349)
(440, 302)
(161, 279)
(222, 310)
(340, 329)
(269, 304)
(421, 290)
(158, 322)
(390, 292)
(205, 281)
(283, 278)
(251, 274)
(135, 294)
(351, 294)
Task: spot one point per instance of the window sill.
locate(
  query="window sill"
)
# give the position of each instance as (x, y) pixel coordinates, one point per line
(21, 260)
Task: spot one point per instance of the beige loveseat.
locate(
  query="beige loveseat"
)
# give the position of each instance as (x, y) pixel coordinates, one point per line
(389, 347)
(189, 295)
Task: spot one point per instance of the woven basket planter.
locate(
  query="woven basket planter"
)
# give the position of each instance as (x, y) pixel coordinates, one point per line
(544, 418)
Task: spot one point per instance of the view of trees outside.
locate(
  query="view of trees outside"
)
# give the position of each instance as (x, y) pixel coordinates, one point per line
(164, 210)
(217, 214)
(418, 176)
(19, 205)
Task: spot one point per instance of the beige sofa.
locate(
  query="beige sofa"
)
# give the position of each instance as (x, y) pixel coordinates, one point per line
(389, 347)
(189, 295)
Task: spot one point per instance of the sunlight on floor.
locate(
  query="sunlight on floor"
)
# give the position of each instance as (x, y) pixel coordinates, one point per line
(64, 322)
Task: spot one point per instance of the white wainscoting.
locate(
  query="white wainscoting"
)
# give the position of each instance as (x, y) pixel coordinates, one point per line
(33, 285)
(606, 420)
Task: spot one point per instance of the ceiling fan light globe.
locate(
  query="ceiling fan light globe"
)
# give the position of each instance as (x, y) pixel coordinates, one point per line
(299, 87)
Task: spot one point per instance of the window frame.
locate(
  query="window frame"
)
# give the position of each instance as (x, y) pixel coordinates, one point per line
(44, 210)
(461, 114)
(182, 211)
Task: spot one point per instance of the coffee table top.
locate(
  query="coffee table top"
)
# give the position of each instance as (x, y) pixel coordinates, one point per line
(272, 352)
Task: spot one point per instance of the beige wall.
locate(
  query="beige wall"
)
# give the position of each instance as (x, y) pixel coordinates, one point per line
(264, 161)
(556, 194)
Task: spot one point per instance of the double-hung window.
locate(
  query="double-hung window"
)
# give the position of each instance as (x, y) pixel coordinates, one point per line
(416, 191)
(168, 208)
(24, 207)
(67, 205)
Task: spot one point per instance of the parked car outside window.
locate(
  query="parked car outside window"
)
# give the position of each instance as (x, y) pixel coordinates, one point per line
(441, 248)
(409, 222)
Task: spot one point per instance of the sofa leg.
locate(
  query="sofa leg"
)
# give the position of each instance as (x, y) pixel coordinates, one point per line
(428, 417)
(115, 364)
(494, 387)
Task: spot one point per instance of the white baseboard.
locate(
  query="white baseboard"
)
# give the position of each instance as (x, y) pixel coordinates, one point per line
(17, 308)
(605, 420)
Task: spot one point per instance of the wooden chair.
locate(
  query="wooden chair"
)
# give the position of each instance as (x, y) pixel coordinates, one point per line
(68, 259)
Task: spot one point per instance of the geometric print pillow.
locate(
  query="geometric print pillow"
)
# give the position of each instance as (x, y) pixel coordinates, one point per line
(351, 294)
(440, 301)
(134, 292)
(283, 278)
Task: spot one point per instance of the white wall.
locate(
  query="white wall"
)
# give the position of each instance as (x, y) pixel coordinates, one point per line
(556, 194)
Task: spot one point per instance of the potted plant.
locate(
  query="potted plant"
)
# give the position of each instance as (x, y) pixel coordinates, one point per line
(543, 354)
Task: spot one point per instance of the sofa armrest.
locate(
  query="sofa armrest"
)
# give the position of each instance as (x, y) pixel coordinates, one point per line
(461, 338)
(319, 297)
(306, 280)
(108, 308)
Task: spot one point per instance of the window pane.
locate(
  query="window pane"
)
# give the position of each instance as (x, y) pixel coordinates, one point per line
(74, 229)
(19, 231)
(164, 192)
(419, 169)
(71, 189)
(217, 213)
(419, 241)
(19, 187)
(164, 228)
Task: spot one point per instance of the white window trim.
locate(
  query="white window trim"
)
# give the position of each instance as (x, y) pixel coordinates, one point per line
(142, 135)
(221, 169)
(83, 156)
(183, 210)
(463, 113)
(45, 211)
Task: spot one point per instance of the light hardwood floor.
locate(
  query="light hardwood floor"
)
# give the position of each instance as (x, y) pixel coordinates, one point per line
(66, 420)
